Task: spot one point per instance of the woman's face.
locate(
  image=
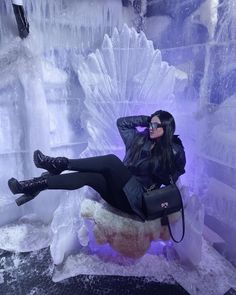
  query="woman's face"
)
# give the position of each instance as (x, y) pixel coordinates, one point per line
(155, 130)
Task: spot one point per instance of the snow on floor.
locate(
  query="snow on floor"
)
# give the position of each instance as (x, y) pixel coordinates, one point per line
(25, 235)
(215, 275)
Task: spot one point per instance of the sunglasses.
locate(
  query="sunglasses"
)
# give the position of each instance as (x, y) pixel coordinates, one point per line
(154, 125)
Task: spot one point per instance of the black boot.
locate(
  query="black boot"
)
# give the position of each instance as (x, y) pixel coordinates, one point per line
(28, 187)
(52, 165)
(22, 23)
(25, 198)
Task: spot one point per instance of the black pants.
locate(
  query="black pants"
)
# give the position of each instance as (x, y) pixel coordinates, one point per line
(105, 174)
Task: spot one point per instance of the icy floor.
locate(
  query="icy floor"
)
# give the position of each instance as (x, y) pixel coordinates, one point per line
(31, 274)
(25, 235)
(215, 275)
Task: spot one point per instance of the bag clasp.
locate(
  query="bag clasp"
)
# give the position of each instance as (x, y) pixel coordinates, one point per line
(164, 205)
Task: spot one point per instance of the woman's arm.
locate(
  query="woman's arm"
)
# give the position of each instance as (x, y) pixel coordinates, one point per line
(127, 127)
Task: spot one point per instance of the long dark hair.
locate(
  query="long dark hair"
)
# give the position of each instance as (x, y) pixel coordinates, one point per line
(162, 151)
(165, 142)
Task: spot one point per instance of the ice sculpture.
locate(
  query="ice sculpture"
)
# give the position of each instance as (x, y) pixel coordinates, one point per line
(226, 27)
(190, 249)
(219, 149)
(125, 234)
(66, 24)
(221, 133)
(126, 76)
(28, 121)
(21, 86)
(220, 195)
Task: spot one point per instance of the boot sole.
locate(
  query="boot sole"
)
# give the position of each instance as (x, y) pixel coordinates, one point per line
(14, 186)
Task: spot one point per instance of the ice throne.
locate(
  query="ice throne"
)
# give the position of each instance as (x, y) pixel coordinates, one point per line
(126, 76)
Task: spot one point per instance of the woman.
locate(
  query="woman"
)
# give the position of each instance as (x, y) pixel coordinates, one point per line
(151, 157)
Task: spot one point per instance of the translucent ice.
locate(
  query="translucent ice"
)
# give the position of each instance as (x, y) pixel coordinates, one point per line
(126, 235)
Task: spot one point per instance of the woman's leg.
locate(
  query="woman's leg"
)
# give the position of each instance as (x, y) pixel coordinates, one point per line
(109, 165)
(76, 180)
(115, 173)
(110, 192)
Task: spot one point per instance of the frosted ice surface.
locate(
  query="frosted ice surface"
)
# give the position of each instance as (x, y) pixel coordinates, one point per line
(227, 25)
(20, 87)
(51, 74)
(132, 238)
(25, 235)
(221, 143)
(126, 235)
(20, 64)
(190, 249)
(214, 275)
(8, 210)
(66, 225)
(26, 123)
(115, 85)
(107, 92)
(220, 195)
(75, 24)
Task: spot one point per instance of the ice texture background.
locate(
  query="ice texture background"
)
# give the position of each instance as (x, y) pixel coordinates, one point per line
(56, 96)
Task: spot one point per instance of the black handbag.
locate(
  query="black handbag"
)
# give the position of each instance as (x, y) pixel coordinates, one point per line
(159, 203)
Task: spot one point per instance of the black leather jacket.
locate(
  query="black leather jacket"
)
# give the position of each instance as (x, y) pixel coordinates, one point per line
(143, 176)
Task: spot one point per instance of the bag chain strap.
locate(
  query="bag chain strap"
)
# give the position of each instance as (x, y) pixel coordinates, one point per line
(165, 217)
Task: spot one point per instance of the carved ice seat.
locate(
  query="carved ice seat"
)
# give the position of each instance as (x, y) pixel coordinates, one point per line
(125, 233)
(125, 76)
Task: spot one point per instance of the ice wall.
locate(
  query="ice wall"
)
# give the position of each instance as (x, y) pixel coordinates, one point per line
(197, 37)
(68, 24)
(115, 85)
(39, 81)
(44, 97)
